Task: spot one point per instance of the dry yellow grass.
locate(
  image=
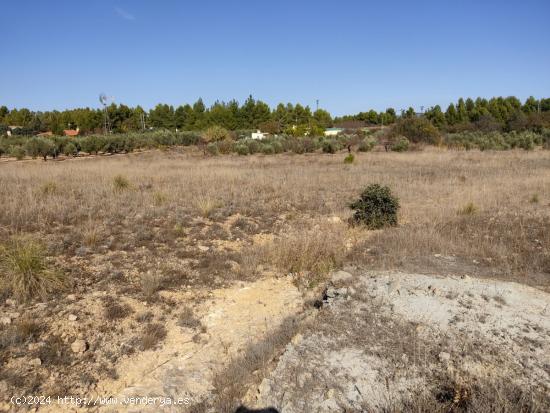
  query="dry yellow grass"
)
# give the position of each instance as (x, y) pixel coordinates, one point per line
(500, 226)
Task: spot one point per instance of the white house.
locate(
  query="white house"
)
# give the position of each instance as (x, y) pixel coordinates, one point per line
(258, 135)
(333, 131)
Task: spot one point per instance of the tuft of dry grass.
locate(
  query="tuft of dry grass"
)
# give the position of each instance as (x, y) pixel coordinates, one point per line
(23, 330)
(120, 183)
(308, 254)
(25, 272)
(205, 205)
(468, 209)
(150, 283)
(153, 334)
(49, 188)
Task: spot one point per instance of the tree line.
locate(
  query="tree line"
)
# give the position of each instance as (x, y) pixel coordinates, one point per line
(498, 113)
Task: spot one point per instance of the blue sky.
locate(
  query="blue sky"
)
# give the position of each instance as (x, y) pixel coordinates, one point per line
(351, 55)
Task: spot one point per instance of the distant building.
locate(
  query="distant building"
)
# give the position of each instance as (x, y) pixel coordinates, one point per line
(333, 131)
(71, 132)
(12, 128)
(258, 135)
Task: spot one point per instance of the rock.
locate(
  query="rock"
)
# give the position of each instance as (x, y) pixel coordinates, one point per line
(265, 387)
(71, 297)
(332, 293)
(5, 320)
(79, 346)
(35, 362)
(73, 317)
(3, 387)
(444, 357)
(334, 220)
(14, 315)
(329, 406)
(341, 276)
(11, 302)
(81, 251)
(204, 248)
(393, 287)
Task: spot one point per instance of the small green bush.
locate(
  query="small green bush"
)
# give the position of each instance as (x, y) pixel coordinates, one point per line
(401, 145)
(349, 159)
(17, 152)
(331, 146)
(376, 208)
(212, 149)
(366, 145)
(242, 149)
(268, 149)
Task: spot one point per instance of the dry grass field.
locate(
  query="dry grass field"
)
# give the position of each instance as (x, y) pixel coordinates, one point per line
(144, 238)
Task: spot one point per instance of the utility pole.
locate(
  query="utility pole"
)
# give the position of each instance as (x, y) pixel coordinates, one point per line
(317, 104)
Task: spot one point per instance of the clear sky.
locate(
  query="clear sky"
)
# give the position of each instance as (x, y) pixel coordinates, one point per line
(351, 55)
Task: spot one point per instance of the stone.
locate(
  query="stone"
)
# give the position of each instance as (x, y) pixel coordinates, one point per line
(71, 297)
(5, 320)
(73, 317)
(81, 251)
(35, 362)
(11, 302)
(203, 248)
(334, 220)
(79, 346)
(341, 276)
(3, 387)
(444, 357)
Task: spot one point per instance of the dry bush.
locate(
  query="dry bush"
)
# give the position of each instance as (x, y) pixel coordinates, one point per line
(308, 254)
(150, 283)
(187, 319)
(152, 335)
(469, 395)
(25, 272)
(18, 333)
(115, 311)
(55, 352)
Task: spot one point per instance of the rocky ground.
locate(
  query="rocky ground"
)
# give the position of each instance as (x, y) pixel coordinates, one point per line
(392, 341)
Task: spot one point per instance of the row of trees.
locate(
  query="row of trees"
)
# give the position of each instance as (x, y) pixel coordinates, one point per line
(467, 114)
(253, 114)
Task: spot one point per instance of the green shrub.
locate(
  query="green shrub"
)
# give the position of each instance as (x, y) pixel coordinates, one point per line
(349, 159)
(36, 146)
(17, 152)
(401, 145)
(331, 146)
(253, 146)
(215, 134)
(70, 149)
(212, 149)
(24, 271)
(226, 146)
(417, 130)
(242, 149)
(268, 149)
(366, 145)
(376, 208)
